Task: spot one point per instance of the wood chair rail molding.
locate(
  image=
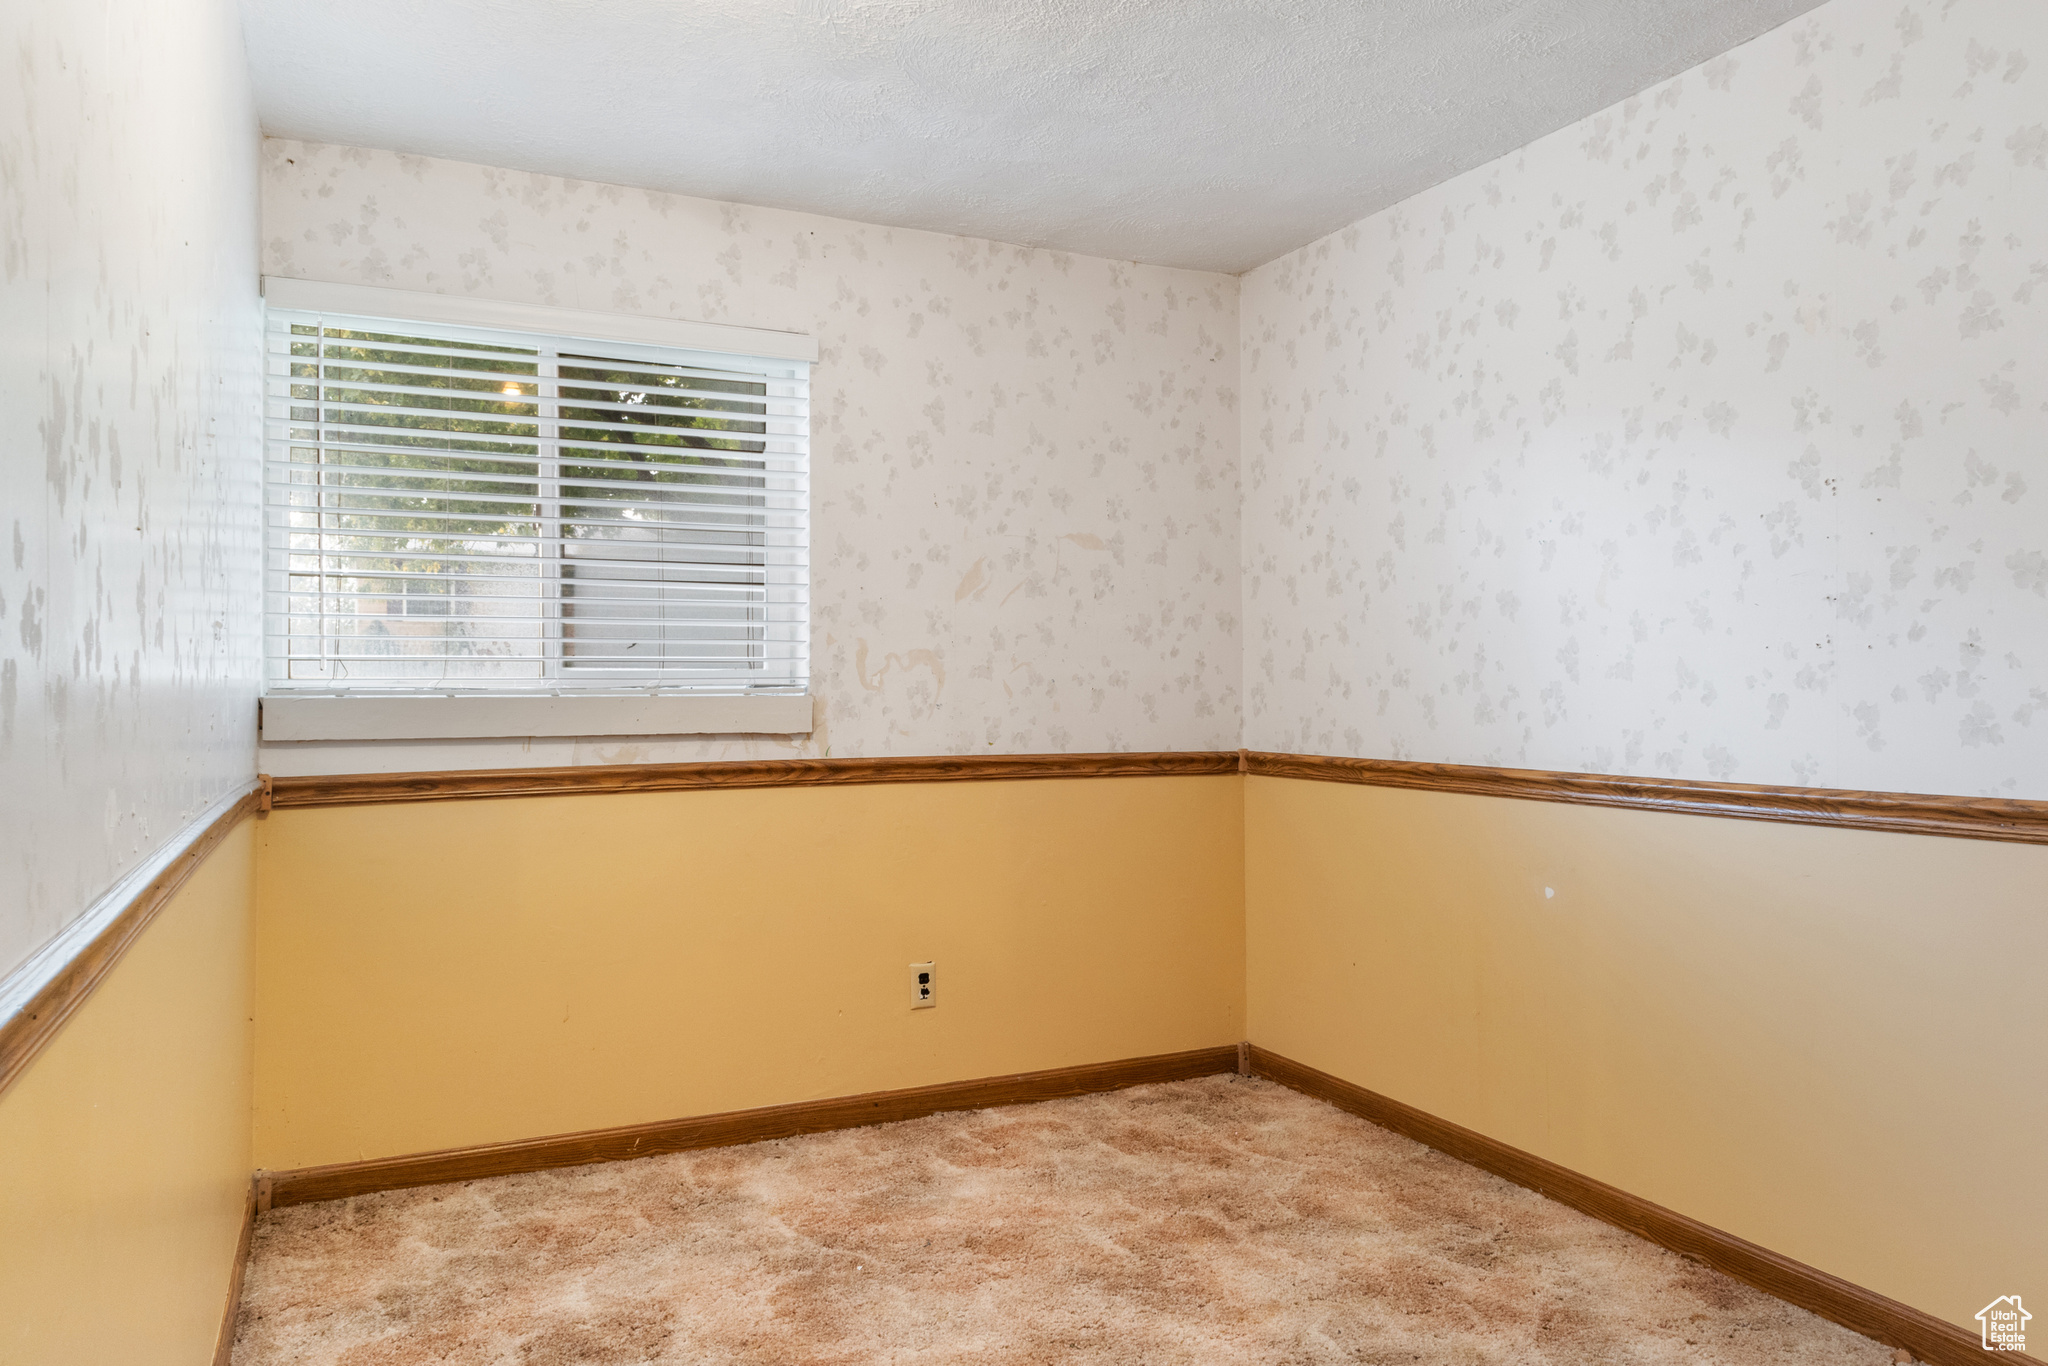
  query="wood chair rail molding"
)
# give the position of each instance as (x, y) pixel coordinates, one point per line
(1983, 818)
(24, 1034)
(356, 789)
(1930, 1339)
(306, 1184)
(1906, 813)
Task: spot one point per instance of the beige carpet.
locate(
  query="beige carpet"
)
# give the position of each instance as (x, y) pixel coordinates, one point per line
(1220, 1220)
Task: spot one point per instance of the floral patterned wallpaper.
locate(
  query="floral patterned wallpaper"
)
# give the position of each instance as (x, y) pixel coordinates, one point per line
(1706, 437)
(1024, 463)
(1695, 439)
(130, 444)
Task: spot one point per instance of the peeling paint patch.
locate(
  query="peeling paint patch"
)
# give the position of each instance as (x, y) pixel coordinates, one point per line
(973, 581)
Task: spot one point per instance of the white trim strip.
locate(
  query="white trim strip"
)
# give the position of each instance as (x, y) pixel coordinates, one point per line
(370, 301)
(26, 982)
(287, 718)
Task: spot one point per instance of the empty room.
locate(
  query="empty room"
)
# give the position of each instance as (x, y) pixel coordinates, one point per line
(889, 681)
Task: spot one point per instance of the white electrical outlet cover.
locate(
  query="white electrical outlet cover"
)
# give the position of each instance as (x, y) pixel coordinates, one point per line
(923, 987)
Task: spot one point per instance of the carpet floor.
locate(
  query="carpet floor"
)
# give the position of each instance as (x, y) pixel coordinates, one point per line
(1220, 1220)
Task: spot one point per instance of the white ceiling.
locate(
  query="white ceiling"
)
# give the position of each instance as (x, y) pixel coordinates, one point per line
(1214, 134)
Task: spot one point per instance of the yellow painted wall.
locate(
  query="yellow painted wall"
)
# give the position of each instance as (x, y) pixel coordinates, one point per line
(1833, 1043)
(124, 1149)
(442, 974)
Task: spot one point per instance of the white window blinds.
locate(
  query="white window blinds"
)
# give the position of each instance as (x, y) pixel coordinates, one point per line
(457, 509)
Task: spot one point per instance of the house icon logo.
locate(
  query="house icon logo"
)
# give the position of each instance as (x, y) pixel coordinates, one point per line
(2005, 1324)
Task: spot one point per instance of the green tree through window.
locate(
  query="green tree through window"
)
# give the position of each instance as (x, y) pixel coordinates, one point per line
(473, 513)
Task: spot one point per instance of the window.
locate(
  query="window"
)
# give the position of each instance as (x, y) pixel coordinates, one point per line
(455, 507)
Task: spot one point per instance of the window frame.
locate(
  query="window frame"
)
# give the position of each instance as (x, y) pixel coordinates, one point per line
(614, 704)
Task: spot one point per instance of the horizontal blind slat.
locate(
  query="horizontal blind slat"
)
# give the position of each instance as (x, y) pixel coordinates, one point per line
(490, 387)
(661, 522)
(791, 594)
(303, 450)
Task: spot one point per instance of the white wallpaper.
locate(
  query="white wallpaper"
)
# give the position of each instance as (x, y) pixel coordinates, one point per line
(129, 440)
(1024, 463)
(1707, 437)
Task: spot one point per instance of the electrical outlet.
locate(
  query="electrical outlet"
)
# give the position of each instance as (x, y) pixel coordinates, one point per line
(922, 987)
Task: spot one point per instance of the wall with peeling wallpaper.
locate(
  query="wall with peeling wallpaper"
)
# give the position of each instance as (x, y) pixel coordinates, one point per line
(1706, 437)
(1024, 487)
(129, 442)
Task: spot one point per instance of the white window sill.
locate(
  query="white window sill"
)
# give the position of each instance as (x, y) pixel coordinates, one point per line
(286, 718)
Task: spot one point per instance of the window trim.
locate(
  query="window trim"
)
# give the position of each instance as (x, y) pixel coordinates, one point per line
(299, 714)
(289, 718)
(454, 310)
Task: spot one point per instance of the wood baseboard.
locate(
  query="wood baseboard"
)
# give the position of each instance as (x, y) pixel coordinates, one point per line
(1930, 1339)
(224, 1344)
(306, 1184)
(1898, 1325)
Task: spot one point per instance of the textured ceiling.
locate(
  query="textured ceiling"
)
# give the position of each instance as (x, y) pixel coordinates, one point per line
(1214, 134)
